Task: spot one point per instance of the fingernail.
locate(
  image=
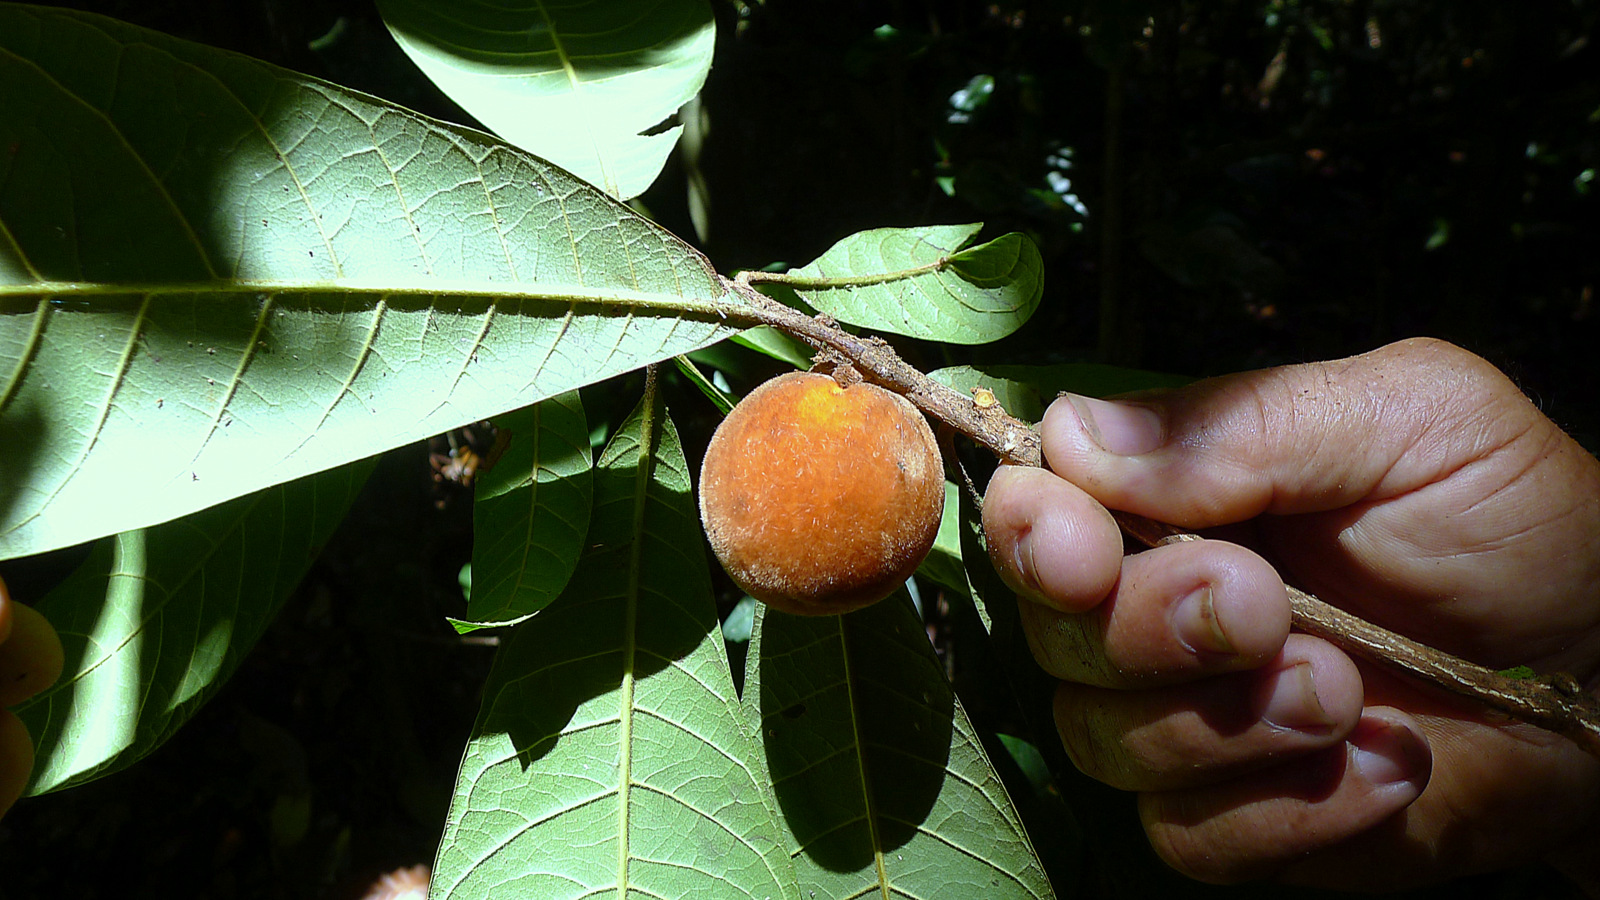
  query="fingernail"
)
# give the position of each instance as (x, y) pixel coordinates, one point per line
(1387, 752)
(1292, 702)
(1125, 429)
(1195, 620)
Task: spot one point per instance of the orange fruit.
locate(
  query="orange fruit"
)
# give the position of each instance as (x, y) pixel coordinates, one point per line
(818, 498)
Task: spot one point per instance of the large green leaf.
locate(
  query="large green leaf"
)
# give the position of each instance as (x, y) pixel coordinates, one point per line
(883, 785)
(926, 283)
(586, 85)
(609, 757)
(216, 276)
(156, 619)
(530, 512)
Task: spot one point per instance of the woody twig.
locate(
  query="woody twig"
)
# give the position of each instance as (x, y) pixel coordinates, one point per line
(1555, 702)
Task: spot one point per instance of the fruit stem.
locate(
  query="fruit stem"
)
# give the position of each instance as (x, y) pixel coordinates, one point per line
(1554, 702)
(1009, 439)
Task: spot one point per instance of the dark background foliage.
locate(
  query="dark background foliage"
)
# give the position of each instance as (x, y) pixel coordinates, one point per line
(1214, 186)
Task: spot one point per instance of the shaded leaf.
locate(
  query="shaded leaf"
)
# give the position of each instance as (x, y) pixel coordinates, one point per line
(739, 624)
(882, 782)
(156, 619)
(530, 513)
(774, 343)
(584, 85)
(943, 564)
(609, 755)
(706, 384)
(217, 275)
(919, 282)
(1025, 391)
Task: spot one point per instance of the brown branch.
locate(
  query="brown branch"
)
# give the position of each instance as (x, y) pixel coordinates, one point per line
(1554, 702)
(1007, 438)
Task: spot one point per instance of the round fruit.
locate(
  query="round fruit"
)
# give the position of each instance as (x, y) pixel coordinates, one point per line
(821, 499)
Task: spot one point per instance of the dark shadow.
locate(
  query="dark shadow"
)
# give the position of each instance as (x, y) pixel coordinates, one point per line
(856, 720)
(25, 434)
(155, 627)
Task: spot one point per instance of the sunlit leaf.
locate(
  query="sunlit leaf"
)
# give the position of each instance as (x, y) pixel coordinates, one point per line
(926, 283)
(217, 275)
(156, 619)
(777, 345)
(609, 756)
(586, 85)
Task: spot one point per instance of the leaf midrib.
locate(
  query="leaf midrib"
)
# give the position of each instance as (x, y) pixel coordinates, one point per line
(441, 287)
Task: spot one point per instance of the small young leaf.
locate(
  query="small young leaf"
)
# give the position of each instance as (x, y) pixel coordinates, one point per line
(919, 282)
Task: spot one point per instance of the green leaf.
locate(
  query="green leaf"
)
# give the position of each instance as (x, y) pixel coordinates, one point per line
(741, 621)
(586, 85)
(217, 275)
(155, 620)
(1025, 391)
(920, 283)
(774, 343)
(609, 754)
(530, 513)
(943, 564)
(706, 384)
(1030, 688)
(882, 782)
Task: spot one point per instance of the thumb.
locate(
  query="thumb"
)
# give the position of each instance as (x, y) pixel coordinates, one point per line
(1294, 439)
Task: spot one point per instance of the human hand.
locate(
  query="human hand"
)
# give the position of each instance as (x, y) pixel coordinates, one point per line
(30, 661)
(1414, 486)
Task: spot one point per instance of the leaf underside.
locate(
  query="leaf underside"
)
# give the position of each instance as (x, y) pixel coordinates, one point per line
(925, 283)
(609, 755)
(155, 620)
(217, 275)
(530, 512)
(882, 783)
(585, 85)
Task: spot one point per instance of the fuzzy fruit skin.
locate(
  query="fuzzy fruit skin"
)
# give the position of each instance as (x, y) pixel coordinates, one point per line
(820, 499)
